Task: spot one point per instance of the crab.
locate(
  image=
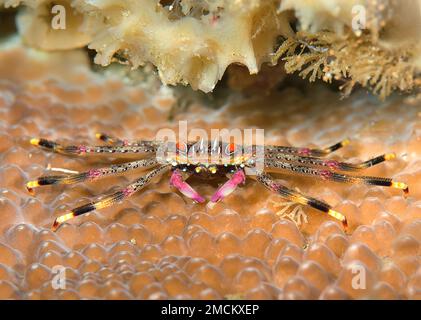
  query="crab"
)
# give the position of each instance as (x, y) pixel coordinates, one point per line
(209, 160)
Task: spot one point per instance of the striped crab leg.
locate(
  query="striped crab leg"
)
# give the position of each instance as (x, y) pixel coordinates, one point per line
(331, 164)
(90, 175)
(84, 149)
(329, 175)
(297, 197)
(124, 142)
(307, 151)
(113, 198)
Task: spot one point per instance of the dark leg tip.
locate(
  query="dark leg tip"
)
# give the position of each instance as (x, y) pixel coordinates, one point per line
(345, 225)
(55, 226)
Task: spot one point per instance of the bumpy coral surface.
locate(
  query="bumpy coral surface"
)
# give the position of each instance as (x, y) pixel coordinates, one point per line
(160, 245)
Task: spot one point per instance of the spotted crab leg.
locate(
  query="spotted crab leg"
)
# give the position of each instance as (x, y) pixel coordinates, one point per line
(83, 149)
(307, 151)
(124, 142)
(297, 197)
(239, 177)
(90, 175)
(326, 174)
(113, 198)
(179, 182)
(331, 164)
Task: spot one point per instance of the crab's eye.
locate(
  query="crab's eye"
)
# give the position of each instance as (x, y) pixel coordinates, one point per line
(181, 147)
(230, 148)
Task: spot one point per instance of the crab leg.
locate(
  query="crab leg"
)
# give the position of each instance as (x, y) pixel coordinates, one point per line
(297, 197)
(307, 151)
(338, 177)
(90, 175)
(179, 182)
(111, 199)
(123, 142)
(228, 187)
(83, 149)
(331, 164)
(112, 140)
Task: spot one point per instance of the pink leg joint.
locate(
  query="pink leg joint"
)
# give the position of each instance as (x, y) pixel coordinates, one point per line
(238, 178)
(177, 181)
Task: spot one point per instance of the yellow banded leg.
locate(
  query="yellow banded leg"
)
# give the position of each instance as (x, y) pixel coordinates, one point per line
(329, 175)
(297, 197)
(84, 149)
(328, 163)
(111, 199)
(90, 175)
(307, 151)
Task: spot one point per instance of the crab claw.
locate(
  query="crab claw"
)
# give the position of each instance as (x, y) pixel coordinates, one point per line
(228, 187)
(177, 181)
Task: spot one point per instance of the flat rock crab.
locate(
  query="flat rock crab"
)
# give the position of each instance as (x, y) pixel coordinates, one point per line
(208, 160)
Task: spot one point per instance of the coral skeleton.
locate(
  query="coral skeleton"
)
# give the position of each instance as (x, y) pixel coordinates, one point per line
(193, 42)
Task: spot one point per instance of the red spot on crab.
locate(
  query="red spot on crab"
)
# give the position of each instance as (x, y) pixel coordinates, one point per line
(332, 164)
(325, 174)
(276, 187)
(181, 146)
(82, 149)
(128, 191)
(94, 173)
(304, 151)
(231, 147)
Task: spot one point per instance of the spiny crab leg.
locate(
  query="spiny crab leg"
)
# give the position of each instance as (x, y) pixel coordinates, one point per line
(239, 177)
(84, 149)
(338, 177)
(331, 164)
(91, 175)
(178, 182)
(112, 199)
(124, 142)
(297, 197)
(307, 151)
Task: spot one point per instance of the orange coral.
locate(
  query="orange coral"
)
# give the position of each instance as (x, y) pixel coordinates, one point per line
(158, 245)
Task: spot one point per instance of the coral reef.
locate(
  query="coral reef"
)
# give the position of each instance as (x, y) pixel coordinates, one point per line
(189, 42)
(193, 42)
(159, 245)
(353, 60)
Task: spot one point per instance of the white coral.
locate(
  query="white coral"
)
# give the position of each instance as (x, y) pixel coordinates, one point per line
(193, 50)
(316, 15)
(393, 24)
(194, 41)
